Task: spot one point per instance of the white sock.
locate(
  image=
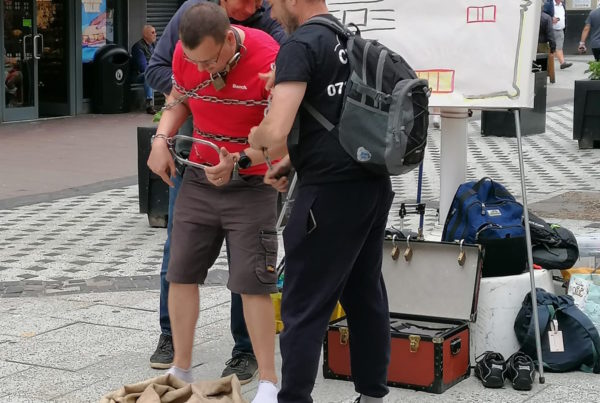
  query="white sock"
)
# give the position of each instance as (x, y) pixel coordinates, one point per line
(369, 399)
(183, 374)
(267, 393)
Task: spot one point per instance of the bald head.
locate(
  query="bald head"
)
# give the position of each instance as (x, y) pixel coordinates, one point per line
(149, 34)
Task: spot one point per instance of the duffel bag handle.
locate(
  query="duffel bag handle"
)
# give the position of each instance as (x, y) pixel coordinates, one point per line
(497, 189)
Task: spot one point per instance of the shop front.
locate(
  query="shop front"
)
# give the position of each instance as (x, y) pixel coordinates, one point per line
(48, 48)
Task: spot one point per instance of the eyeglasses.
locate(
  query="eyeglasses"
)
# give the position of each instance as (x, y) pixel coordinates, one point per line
(205, 63)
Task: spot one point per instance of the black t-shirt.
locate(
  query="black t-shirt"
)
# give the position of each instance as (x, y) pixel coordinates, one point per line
(314, 55)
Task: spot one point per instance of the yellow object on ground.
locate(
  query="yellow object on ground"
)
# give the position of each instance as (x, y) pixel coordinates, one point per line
(337, 313)
(578, 270)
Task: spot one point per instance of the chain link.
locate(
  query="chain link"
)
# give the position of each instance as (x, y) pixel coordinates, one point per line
(221, 137)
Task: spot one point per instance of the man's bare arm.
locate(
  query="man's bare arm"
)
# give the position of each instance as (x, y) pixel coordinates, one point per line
(273, 130)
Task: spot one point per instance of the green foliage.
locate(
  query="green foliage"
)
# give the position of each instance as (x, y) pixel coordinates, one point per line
(594, 70)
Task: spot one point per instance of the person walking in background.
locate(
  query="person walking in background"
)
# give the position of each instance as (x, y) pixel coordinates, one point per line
(250, 13)
(141, 52)
(559, 25)
(546, 42)
(591, 29)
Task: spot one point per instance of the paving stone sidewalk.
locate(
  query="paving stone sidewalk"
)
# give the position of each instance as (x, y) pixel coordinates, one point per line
(66, 338)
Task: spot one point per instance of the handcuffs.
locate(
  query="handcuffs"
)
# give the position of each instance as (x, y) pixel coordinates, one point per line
(243, 162)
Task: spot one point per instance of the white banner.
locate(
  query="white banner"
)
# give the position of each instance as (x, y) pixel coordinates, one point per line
(474, 53)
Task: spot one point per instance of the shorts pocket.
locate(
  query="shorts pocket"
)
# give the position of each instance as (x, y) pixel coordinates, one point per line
(266, 270)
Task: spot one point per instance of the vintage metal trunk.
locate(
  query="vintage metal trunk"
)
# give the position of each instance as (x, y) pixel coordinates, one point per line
(432, 290)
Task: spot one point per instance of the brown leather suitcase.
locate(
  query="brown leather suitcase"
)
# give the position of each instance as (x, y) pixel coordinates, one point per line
(432, 290)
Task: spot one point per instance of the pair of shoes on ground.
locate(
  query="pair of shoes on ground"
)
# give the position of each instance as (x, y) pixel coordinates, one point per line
(243, 365)
(565, 65)
(493, 370)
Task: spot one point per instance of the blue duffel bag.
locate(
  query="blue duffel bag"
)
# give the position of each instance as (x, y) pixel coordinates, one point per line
(485, 213)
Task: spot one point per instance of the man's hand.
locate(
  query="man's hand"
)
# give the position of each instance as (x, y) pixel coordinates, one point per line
(161, 161)
(252, 140)
(555, 20)
(277, 177)
(269, 77)
(582, 49)
(220, 174)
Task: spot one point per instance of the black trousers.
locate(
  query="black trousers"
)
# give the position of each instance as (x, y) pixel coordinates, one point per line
(596, 52)
(333, 245)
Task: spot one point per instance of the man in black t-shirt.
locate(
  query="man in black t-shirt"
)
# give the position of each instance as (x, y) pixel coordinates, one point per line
(334, 236)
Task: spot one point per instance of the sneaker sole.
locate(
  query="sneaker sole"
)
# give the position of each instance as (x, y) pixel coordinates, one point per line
(493, 382)
(160, 365)
(245, 381)
(523, 384)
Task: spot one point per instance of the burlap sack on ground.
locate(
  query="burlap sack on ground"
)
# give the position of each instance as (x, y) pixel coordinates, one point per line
(168, 389)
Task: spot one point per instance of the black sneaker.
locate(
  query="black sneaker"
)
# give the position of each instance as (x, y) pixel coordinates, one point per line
(565, 65)
(163, 355)
(243, 365)
(491, 369)
(520, 370)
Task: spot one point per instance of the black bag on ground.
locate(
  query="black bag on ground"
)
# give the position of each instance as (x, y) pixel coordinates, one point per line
(580, 338)
(553, 247)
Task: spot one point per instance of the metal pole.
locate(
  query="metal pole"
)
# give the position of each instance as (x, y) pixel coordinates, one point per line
(538, 340)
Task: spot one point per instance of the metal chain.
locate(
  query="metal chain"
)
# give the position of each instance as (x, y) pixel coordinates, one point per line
(221, 137)
(193, 93)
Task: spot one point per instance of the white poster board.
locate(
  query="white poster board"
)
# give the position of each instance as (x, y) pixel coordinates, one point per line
(476, 54)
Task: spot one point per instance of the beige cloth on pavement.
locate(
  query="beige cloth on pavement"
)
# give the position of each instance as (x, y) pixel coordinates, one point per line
(169, 389)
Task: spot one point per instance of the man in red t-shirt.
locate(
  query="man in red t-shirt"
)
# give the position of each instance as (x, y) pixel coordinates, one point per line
(216, 75)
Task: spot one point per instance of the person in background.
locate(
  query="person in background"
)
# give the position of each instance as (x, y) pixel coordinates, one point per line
(546, 42)
(141, 52)
(559, 25)
(591, 29)
(250, 13)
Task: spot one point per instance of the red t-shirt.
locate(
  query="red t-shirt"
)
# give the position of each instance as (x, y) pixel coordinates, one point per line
(242, 84)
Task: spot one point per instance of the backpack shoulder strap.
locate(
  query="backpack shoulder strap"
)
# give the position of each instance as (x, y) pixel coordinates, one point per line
(318, 116)
(335, 26)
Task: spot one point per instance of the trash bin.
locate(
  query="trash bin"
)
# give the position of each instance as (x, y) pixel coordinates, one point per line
(153, 191)
(533, 121)
(111, 85)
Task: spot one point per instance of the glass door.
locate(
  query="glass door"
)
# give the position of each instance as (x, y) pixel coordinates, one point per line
(20, 54)
(53, 65)
(36, 55)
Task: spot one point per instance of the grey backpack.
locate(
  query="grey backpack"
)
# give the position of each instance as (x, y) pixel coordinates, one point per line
(383, 125)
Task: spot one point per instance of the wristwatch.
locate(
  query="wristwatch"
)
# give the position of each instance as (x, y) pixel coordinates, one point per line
(244, 161)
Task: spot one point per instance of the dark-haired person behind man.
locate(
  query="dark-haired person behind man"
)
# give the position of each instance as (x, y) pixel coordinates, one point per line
(334, 236)
(250, 13)
(217, 66)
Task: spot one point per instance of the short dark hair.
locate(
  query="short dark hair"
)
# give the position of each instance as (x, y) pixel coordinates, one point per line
(201, 21)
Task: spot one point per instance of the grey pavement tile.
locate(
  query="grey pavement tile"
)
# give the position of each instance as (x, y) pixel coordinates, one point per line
(44, 383)
(8, 368)
(113, 316)
(74, 347)
(28, 325)
(40, 306)
(21, 399)
(568, 392)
